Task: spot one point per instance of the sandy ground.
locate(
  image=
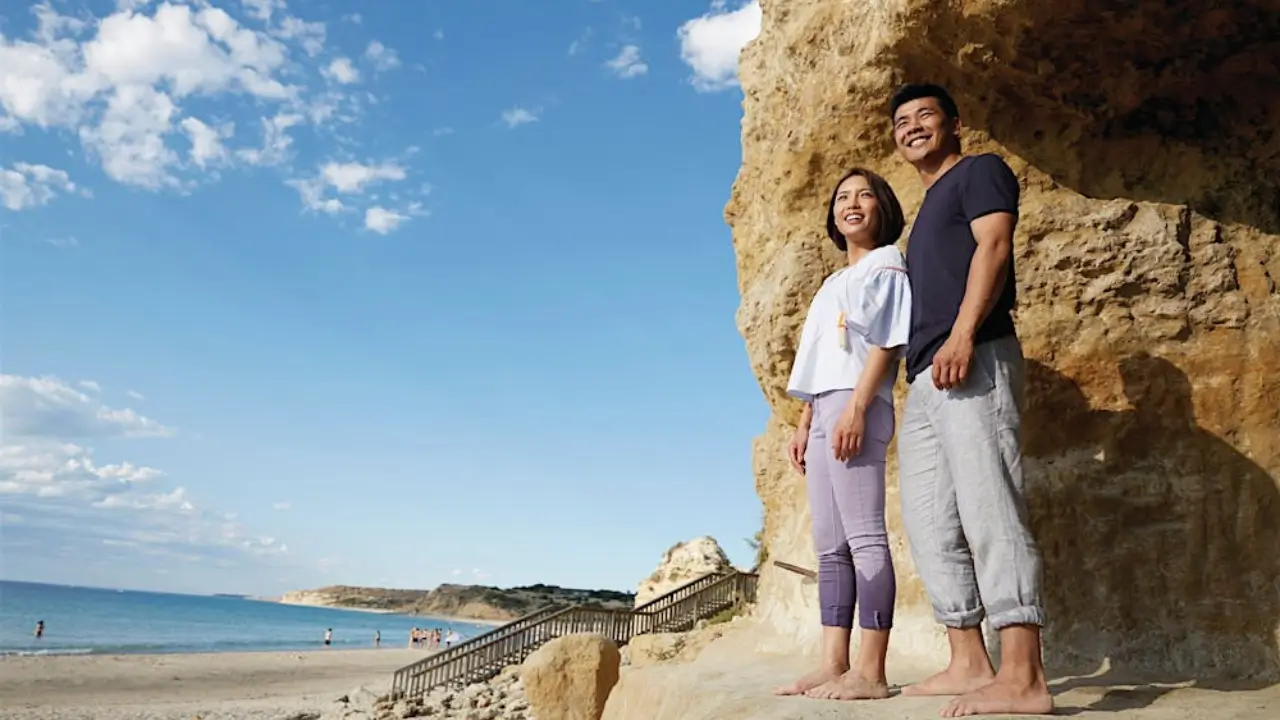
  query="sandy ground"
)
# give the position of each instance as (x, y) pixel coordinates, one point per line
(221, 686)
(730, 681)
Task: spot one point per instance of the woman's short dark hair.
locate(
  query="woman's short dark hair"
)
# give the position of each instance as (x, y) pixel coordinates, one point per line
(889, 218)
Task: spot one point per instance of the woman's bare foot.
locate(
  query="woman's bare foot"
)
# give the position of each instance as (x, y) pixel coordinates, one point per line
(952, 681)
(1002, 697)
(851, 686)
(809, 682)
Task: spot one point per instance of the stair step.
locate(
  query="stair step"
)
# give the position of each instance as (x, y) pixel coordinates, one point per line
(534, 630)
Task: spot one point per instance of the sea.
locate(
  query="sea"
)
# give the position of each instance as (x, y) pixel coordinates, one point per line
(93, 621)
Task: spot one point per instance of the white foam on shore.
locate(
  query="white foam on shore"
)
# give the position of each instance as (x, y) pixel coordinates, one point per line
(46, 651)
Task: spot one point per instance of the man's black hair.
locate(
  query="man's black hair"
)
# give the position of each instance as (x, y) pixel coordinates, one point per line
(915, 91)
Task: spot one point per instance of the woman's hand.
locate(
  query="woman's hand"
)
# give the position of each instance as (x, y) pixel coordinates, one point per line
(846, 440)
(797, 447)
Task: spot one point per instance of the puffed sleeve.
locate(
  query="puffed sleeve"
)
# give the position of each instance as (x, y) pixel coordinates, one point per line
(880, 307)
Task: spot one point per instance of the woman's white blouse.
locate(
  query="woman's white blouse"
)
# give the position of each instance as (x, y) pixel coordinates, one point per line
(865, 305)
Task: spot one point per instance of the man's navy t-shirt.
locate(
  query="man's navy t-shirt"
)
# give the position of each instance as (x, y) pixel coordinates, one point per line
(940, 248)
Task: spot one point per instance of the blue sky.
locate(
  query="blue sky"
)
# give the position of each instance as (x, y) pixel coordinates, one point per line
(369, 293)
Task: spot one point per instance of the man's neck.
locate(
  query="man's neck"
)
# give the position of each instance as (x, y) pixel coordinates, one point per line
(933, 168)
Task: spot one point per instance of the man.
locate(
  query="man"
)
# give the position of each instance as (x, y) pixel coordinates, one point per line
(959, 458)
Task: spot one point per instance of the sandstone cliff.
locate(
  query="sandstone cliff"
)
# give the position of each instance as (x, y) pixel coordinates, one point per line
(471, 602)
(683, 563)
(1148, 255)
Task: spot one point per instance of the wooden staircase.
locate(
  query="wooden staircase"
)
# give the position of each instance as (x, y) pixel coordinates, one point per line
(483, 657)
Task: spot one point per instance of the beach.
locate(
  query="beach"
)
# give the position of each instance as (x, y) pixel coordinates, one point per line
(210, 686)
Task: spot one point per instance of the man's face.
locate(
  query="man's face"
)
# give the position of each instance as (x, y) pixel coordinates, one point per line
(921, 128)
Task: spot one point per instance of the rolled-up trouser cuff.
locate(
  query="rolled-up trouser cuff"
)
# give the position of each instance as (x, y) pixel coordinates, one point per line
(1025, 615)
(961, 619)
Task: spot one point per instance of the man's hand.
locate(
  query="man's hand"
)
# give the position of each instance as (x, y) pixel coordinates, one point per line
(952, 362)
(846, 440)
(797, 447)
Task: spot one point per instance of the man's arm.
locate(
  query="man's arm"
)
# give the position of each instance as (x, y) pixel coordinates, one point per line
(987, 272)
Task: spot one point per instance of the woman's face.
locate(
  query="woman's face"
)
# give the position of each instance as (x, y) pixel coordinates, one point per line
(856, 208)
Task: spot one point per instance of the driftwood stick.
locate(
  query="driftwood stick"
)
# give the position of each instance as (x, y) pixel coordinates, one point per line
(797, 569)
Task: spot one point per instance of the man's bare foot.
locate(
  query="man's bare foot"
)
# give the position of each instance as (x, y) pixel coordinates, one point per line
(808, 682)
(952, 681)
(851, 686)
(1002, 697)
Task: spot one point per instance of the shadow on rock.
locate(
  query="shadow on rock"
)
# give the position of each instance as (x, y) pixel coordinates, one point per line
(1161, 541)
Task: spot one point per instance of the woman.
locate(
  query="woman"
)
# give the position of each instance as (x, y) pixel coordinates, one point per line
(845, 368)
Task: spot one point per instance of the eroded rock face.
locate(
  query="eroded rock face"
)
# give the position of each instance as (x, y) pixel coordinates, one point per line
(683, 563)
(570, 677)
(1146, 137)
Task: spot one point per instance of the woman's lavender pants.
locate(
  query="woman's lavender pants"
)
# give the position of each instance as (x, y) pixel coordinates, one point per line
(846, 500)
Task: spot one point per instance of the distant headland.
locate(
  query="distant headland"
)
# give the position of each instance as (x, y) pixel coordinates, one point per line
(464, 602)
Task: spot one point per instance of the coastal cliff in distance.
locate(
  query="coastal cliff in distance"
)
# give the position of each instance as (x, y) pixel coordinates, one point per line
(466, 602)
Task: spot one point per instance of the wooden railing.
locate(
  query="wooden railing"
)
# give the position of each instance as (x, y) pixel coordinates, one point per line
(483, 657)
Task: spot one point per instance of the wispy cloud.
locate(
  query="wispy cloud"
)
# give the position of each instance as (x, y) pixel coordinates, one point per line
(48, 407)
(62, 500)
(26, 185)
(517, 116)
(579, 45)
(382, 57)
(627, 63)
(342, 71)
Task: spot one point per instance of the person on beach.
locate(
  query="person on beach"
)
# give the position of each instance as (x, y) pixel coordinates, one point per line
(960, 464)
(39, 632)
(328, 637)
(377, 638)
(845, 367)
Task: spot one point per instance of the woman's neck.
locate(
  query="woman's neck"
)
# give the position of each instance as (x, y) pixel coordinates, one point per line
(856, 252)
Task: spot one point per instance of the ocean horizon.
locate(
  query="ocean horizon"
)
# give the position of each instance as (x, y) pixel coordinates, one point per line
(106, 621)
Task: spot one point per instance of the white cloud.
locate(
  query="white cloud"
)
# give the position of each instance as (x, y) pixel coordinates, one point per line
(275, 141)
(710, 44)
(125, 85)
(120, 82)
(381, 220)
(382, 57)
(628, 64)
(24, 185)
(313, 198)
(136, 395)
(515, 117)
(63, 470)
(47, 407)
(352, 177)
(90, 385)
(61, 501)
(263, 9)
(206, 142)
(342, 71)
(281, 506)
